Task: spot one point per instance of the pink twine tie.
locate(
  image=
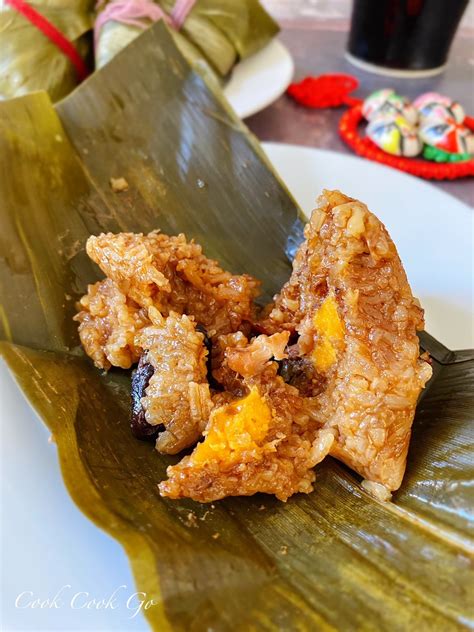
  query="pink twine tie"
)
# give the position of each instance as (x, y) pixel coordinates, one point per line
(180, 12)
(134, 12)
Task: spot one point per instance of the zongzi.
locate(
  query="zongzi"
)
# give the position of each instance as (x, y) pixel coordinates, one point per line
(350, 304)
(216, 32)
(332, 366)
(30, 61)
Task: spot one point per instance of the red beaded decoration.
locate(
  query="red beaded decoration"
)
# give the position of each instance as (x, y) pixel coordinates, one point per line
(333, 91)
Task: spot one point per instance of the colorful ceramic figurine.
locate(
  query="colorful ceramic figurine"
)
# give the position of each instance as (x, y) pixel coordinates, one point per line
(395, 135)
(446, 140)
(387, 102)
(393, 126)
(434, 105)
(397, 131)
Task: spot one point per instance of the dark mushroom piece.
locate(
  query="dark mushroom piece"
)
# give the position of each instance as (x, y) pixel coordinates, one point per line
(300, 372)
(141, 429)
(208, 344)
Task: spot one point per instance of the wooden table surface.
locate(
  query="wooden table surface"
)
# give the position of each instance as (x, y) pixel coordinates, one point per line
(315, 32)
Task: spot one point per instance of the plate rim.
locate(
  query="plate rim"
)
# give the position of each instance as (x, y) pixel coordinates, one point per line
(375, 165)
(277, 92)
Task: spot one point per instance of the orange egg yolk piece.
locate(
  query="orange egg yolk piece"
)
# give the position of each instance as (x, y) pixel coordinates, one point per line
(330, 334)
(234, 428)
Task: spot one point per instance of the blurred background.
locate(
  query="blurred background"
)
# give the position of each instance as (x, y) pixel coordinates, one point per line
(316, 33)
(334, 12)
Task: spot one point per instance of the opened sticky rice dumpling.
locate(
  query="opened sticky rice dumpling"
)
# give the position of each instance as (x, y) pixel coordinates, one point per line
(350, 303)
(331, 367)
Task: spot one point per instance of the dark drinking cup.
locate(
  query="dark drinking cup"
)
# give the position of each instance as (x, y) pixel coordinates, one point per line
(403, 36)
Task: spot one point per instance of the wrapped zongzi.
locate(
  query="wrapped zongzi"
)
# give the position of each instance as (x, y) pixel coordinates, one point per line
(218, 31)
(30, 61)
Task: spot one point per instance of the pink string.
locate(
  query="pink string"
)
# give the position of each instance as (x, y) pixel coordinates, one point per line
(134, 12)
(181, 11)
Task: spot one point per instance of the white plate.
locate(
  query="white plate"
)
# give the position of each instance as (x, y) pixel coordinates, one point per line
(48, 544)
(260, 79)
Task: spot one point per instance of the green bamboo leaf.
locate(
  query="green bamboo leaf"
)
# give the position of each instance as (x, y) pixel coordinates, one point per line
(39, 223)
(212, 42)
(335, 559)
(246, 23)
(169, 133)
